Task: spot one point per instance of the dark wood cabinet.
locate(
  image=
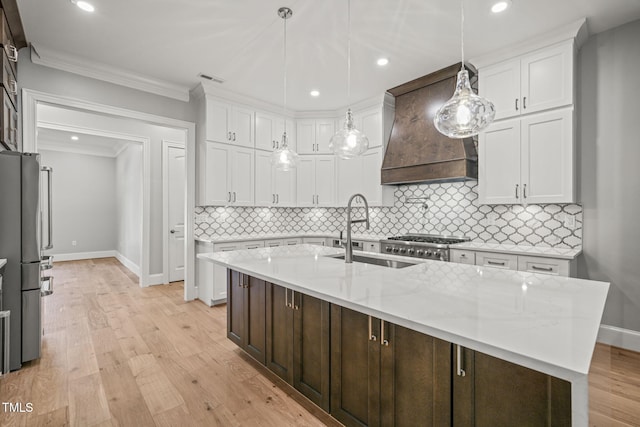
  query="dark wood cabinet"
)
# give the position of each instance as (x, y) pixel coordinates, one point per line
(386, 375)
(298, 342)
(246, 313)
(495, 393)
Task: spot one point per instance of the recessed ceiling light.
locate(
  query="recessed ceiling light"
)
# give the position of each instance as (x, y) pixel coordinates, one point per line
(382, 62)
(314, 93)
(500, 6)
(86, 6)
(74, 138)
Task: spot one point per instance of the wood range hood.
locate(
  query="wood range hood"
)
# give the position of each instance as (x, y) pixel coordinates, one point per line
(417, 152)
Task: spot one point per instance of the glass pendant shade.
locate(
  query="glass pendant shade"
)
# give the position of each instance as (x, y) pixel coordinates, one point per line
(283, 158)
(349, 142)
(465, 114)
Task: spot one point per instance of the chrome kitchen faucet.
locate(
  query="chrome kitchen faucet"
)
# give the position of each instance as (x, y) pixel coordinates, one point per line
(348, 256)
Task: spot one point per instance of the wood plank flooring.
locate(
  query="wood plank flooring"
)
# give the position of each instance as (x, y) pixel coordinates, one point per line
(118, 355)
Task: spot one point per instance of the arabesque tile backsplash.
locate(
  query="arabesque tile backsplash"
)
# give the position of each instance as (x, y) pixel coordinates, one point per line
(444, 208)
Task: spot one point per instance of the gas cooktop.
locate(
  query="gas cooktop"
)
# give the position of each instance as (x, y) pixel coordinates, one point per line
(427, 246)
(429, 238)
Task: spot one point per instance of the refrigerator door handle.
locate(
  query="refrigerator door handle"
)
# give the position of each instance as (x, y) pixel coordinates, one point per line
(6, 315)
(49, 172)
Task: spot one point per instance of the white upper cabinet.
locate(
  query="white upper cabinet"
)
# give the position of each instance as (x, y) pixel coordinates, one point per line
(229, 124)
(316, 181)
(269, 130)
(370, 123)
(528, 160)
(362, 175)
(313, 135)
(226, 175)
(273, 187)
(538, 81)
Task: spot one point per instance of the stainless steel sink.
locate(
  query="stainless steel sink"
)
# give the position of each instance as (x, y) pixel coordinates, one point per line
(392, 263)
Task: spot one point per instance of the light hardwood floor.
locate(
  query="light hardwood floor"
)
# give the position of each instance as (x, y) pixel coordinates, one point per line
(118, 355)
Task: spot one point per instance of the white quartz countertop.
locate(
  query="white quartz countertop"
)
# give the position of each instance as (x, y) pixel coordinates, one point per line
(544, 322)
(248, 237)
(2, 262)
(563, 253)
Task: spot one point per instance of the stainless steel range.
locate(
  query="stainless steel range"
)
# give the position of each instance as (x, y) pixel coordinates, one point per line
(426, 246)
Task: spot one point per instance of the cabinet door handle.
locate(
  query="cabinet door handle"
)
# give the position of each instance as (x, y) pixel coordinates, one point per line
(317, 199)
(229, 136)
(463, 255)
(293, 300)
(383, 341)
(234, 197)
(273, 198)
(229, 197)
(459, 362)
(234, 136)
(516, 104)
(12, 53)
(524, 191)
(13, 86)
(524, 103)
(371, 336)
(277, 199)
(286, 298)
(517, 192)
(502, 264)
(535, 267)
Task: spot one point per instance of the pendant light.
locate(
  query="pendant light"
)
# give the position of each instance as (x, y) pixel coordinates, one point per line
(349, 142)
(284, 158)
(465, 114)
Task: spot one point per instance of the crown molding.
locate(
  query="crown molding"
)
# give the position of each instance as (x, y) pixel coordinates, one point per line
(576, 31)
(42, 55)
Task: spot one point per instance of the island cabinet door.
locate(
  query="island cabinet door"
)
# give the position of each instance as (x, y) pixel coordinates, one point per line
(355, 368)
(280, 331)
(246, 313)
(415, 380)
(311, 330)
(492, 392)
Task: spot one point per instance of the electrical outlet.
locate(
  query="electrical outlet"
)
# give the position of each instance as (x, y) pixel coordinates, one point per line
(74, 243)
(570, 221)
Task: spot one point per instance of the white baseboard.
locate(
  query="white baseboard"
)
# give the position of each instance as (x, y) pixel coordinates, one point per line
(619, 337)
(133, 267)
(156, 279)
(82, 255)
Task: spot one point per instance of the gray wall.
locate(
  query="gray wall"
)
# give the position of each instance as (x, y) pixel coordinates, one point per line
(84, 201)
(609, 151)
(50, 80)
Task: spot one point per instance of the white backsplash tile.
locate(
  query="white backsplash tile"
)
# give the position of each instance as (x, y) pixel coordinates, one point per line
(447, 208)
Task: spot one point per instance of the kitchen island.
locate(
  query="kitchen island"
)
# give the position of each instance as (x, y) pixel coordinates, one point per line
(545, 323)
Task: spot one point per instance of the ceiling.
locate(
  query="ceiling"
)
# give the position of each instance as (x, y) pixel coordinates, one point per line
(241, 41)
(92, 145)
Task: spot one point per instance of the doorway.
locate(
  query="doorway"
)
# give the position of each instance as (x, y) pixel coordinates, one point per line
(173, 173)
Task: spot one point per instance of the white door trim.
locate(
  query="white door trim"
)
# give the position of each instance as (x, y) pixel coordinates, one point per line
(30, 100)
(165, 206)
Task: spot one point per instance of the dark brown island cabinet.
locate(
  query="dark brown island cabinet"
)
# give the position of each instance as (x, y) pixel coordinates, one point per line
(368, 372)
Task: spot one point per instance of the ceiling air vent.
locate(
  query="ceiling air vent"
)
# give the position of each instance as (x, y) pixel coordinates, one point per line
(211, 78)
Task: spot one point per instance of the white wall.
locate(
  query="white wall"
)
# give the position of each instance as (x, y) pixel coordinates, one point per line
(84, 202)
(609, 148)
(134, 129)
(128, 183)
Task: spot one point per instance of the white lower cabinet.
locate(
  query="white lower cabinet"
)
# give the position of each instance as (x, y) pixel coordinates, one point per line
(531, 264)
(282, 242)
(321, 241)
(226, 175)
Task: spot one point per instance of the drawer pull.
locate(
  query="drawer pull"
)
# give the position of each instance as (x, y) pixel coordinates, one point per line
(371, 336)
(535, 267)
(496, 263)
(12, 53)
(459, 362)
(463, 255)
(13, 86)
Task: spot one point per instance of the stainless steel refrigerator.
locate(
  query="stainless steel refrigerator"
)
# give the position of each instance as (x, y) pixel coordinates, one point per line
(21, 243)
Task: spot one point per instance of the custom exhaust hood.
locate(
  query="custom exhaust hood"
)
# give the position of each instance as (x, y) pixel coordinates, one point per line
(417, 152)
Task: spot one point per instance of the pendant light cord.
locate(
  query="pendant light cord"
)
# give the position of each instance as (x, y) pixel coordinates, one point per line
(348, 52)
(462, 33)
(284, 85)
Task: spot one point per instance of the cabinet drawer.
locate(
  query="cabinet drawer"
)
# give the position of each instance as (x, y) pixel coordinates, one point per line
(8, 45)
(533, 264)
(9, 81)
(463, 257)
(489, 259)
